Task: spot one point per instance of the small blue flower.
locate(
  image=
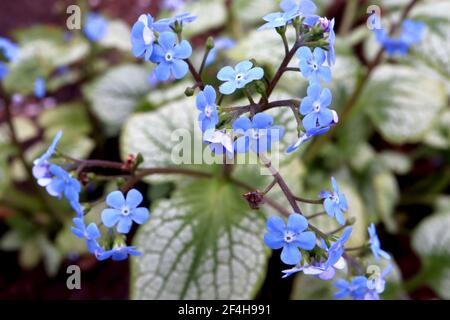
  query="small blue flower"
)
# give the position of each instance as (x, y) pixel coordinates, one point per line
(41, 165)
(118, 253)
(181, 19)
(328, 27)
(312, 64)
(335, 203)
(9, 50)
(274, 20)
(292, 9)
(89, 233)
(39, 88)
(375, 244)
(317, 269)
(357, 288)
(377, 282)
(124, 211)
(143, 37)
(206, 103)
(170, 57)
(337, 249)
(290, 237)
(256, 134)
(219, 44)
(62, 183)
(315, 108)
(219, 142)
(96, 27)
(239, 77)
(308, 135)
(412, 33)
(3, 70)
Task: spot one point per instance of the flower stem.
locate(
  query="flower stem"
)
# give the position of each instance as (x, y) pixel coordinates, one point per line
(195, 74)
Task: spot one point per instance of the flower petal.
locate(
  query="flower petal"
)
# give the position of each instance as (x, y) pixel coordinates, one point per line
(228, 87)
(290, 254)
(305, 240)
(124, 224)
(140, 215)
(297, 223)
(226, 74)
(110, 217)
(179, 68)
(243, 66)
(274, 240)
(167, 40)
(183, 50)
(134, 198)
(115, 200)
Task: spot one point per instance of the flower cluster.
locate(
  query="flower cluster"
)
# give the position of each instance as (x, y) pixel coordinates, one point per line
(122, 213)
(156, 41)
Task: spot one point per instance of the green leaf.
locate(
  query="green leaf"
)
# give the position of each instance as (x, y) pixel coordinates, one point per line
(431, 240)
(203, 243)
(409, 106)
(115, 95)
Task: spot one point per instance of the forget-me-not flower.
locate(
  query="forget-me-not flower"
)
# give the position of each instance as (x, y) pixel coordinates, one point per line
(89, 233)
(357, 288)
(336, 249)
(315, 107)
(219, 142)
(41, 165)
(238, 77)
(312, 64)
(308, 135)
(375, 244)
(206, 103)
(377, 282)
(257, 134)
(224, 44)
(274, 20)
(62, 183)
(170, 57)
(96, 27)
(290, 237)
(117, 253)
(293, 9)
(39, 88)
(180, 19)
(124, 211)
(335, 203)
(143, 37)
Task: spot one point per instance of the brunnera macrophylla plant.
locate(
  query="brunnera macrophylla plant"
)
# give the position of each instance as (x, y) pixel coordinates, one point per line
(232, 130)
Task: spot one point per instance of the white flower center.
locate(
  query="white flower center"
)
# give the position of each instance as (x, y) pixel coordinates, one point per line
(126, 211)
(316, 106)
(289, 236)
(169, 56)
(239, 77)
(208, 111)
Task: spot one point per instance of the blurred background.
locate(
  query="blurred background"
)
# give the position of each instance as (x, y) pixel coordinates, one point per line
(391, 150)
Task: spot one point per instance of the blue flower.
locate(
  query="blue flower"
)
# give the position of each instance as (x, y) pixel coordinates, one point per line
(312, 64)
(377, 283)
(96, 27)
(290, 237)
(206, 103)
(89, 233)
(181, 19)
(317, 269)
(335, 203)
(308, 135)
(124, 211)
(337, 249)
(3, 70)
(305, 8)
(41, 165)
(239, 77)
(357, 288)
(219, 142)
(328, 27)
(170, 57)
(375, 244)
(9, 50)
(39, 88)
(143, 37)
(274, 20)
(118, 253)
(411, 34)
(219, 44)
(62, 183)
(256, 134)
(315, 108)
